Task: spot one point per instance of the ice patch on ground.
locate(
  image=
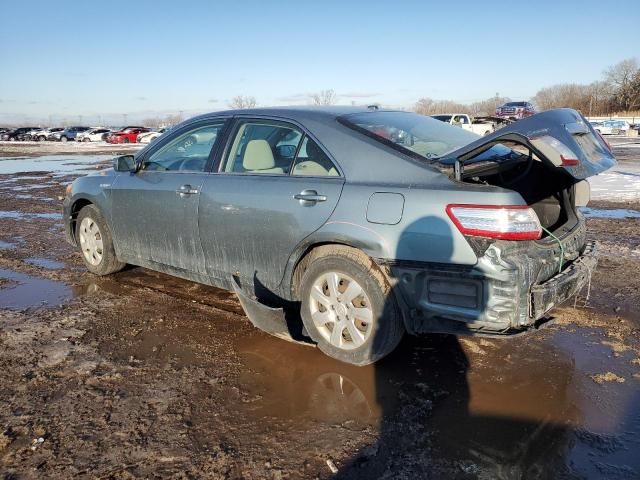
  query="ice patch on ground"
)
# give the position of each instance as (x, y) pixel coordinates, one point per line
(621, 183)
(610, 213)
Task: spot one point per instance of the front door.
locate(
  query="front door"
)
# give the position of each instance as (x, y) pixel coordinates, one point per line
(275, 187)
(155, 211)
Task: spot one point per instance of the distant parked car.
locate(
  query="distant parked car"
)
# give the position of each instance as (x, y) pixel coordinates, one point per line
(149, 137)
(17, 134)
(32, 134)
(515, 110)
(94, 135)
(44, 134)
(69, 133)
(480, 127)
(127, 135)
(613, 127)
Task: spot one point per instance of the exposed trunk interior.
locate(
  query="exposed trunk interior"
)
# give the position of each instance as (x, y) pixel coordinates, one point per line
(546, 189)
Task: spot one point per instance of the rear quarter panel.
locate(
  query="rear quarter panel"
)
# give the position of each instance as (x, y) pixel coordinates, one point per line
(424, 234)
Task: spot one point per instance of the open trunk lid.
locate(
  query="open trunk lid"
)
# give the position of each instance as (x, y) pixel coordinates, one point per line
(562, 136)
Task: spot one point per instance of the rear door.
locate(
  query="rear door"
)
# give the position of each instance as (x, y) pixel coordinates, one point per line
(155, 211)
(275, 187)
(563, 137)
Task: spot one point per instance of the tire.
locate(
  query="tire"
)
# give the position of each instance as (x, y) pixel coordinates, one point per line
(91, 224)
(125, 140)
(41, 138)
(86, 139)
(64, 139)
(379, 331)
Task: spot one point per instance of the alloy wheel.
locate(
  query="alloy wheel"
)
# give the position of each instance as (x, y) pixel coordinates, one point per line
(91, 241)
(341, 310)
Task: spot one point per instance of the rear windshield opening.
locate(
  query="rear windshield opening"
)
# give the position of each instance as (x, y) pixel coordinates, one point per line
(419, 136)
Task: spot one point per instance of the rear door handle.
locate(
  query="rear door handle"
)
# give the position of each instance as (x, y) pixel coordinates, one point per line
(309, 197)
(187, 189)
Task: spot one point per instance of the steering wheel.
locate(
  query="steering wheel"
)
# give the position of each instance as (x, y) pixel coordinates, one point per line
(192, 164)
(157, 166)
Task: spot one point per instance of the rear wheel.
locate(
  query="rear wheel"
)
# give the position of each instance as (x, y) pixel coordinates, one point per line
(348, 308)
(125, 140)
(95, 241)
(64, 139)
(86, 139)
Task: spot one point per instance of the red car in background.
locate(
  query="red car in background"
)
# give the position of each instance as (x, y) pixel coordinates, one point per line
(515, 110)
(126, 135)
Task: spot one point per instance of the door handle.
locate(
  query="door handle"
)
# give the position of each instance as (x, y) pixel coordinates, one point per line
(309, 197)
(185, 190)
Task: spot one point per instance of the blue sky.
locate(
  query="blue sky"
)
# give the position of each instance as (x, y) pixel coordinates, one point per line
(143, 58)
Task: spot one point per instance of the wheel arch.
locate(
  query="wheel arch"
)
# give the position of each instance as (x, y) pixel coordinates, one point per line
(77, 205)
(319, 249)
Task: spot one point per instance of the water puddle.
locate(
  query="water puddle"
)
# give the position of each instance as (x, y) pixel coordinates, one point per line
(499, 407)
(63, 164)
(7, 245)
(44, 262)
(610, 213)
(25, 291)
(20, 215)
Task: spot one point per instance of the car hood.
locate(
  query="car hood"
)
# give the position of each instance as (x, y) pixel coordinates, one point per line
(562, 136)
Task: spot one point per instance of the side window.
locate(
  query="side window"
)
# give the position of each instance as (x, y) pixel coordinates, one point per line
(188, 152)
(312, 161)
(263, 147)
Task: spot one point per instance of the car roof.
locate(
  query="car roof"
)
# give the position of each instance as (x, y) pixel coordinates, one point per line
(297, 112)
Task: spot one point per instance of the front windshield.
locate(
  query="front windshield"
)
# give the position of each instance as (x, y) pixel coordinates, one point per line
(411, 133)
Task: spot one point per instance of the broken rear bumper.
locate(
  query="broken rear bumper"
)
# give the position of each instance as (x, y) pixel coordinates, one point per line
(510, 290)
(565, 284)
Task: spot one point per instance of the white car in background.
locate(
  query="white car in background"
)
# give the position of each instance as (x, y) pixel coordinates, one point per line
(148, 137)
(612, 127)
(93, 135)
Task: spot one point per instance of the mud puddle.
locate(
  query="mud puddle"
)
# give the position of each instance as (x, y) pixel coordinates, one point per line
(44, 262)
(7, 245)
(20, 215)
(492, 405)
(24, 291)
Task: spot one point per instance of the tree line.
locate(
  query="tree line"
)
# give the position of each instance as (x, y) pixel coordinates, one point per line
(617, 92)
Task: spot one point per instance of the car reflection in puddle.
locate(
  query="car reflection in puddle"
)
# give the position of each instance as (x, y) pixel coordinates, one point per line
(515, 411)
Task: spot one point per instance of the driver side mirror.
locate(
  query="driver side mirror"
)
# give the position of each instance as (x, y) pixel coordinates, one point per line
(124, 163)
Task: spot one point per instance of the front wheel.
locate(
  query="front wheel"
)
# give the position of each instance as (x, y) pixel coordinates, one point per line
(125, 140)
(348, 308)
(96, 243)
(64, 139)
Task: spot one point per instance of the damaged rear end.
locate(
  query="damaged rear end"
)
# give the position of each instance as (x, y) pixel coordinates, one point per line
(530, 257)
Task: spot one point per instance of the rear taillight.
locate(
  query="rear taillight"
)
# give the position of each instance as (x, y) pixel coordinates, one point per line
(508, 222)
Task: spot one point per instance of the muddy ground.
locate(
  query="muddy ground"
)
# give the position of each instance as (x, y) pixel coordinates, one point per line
(140, 375)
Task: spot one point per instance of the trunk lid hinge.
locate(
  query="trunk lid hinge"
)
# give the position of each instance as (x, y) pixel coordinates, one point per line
(457, 169)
